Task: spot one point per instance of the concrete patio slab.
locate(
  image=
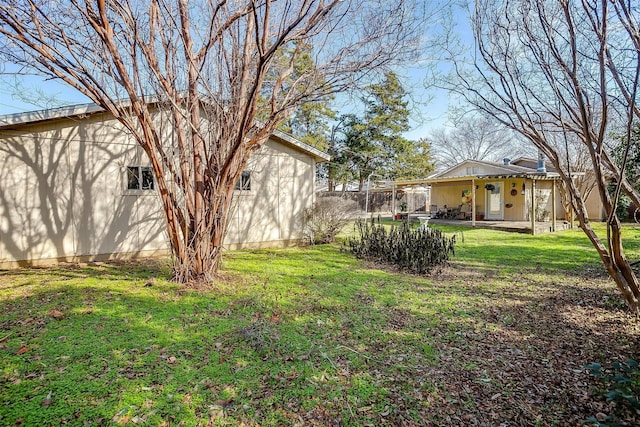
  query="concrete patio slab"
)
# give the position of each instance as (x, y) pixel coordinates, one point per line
(512, 226)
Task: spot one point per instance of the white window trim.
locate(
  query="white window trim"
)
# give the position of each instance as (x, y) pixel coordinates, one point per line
(238, 189)
(139, 191)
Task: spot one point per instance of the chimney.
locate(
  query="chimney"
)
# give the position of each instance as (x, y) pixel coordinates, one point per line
(506, 161)
(541, 167)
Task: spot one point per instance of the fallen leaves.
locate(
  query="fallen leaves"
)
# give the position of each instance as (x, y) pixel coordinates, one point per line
(478, 350)
(519, 358)
(122, 418)
(56, 314)
(47, 400)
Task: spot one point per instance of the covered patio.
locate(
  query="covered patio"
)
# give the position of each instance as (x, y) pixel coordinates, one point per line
(514, 197)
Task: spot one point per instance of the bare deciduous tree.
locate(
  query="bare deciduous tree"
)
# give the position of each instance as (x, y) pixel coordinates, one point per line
(205, 67)
(474, 138)
(560, 71)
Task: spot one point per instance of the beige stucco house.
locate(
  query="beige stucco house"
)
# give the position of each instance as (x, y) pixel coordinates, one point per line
(74, 186)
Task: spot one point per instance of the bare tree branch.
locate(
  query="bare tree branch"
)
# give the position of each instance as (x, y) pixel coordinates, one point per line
(203, 68)
(559, 72)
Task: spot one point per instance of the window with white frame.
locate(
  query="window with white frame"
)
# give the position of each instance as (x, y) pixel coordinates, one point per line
(244, 183)
(140, 178)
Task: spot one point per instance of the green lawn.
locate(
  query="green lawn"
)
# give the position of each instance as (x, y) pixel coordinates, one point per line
(308, 336)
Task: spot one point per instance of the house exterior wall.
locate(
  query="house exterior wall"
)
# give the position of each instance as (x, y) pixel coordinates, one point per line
(592, 201)
(282, 187)
(450, 194)
(543, 200)
(516, 207)
(63, 195)
(594, 206)
(474, 169)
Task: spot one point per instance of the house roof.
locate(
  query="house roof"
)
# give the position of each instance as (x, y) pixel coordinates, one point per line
(80, 110)
(500, 170)
(30, 117)
(318, 155)
(521, 161)
(503, 169)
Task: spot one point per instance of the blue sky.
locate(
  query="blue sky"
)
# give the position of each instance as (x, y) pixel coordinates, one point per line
(9, 103)
(426, 115)
(430, 107)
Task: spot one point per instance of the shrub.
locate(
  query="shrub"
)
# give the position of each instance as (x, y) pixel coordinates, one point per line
(417, 251)
(621, 383)
(622, 208)
(327, 218)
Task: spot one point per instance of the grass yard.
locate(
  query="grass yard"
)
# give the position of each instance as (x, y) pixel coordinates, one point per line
(311, 336)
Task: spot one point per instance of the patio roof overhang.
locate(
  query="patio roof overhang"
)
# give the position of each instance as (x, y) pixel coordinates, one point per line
(469, 178)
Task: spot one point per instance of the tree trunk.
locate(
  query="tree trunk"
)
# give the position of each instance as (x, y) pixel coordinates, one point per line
(200, 260)
(138, 60)
(614, 258)
(617, 265)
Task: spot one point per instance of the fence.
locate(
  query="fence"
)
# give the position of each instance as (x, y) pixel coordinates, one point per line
(380, 201)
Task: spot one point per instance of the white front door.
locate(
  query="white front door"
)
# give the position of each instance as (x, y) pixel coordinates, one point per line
(494, 201)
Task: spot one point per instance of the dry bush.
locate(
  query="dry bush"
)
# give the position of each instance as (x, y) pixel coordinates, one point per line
(327, 218)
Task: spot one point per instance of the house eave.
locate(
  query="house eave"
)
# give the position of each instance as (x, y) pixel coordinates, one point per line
(318, 155)
(80, 110)
(30, 117)
(504, 169)
(537, 177)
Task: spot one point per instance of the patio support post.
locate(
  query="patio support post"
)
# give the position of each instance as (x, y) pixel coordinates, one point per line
(393, 201)
(553, 205)
(571, 216)
(473, 202)
(427, 200)
(533, 207)
(366, 197)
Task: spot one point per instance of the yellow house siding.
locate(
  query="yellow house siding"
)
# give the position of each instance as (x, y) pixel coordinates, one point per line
(518, 201)
(516, 207)
(449, 194)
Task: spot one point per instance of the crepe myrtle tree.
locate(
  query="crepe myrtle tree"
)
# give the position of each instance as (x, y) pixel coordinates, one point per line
(558, 72)
(206, 65)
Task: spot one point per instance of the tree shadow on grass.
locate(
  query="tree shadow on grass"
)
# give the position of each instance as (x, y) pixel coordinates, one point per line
(511, 346)
(113, 270)
(307, 336)
(121, 351)
(117, 351)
